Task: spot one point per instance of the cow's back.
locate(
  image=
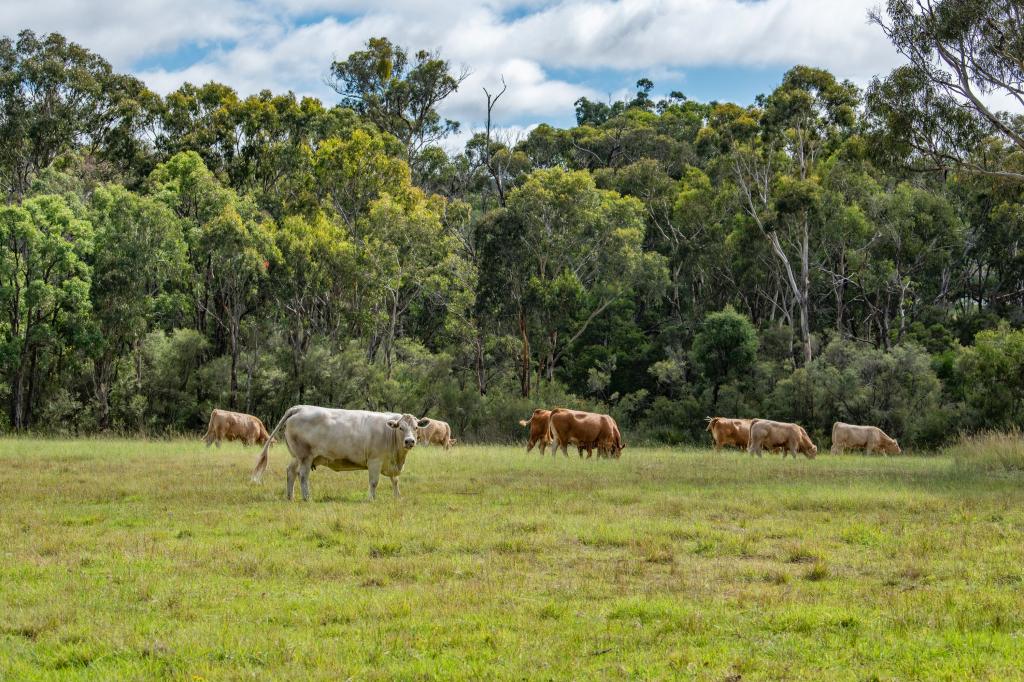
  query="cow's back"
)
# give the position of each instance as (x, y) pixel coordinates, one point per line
(576, 425)
(352, 435)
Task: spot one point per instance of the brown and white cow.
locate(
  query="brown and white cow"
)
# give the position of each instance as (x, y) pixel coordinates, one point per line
(225, 425)
(868, 438)
(436, 432)
(584, 430)
(538, 423)
(765, 433)
(726, 431)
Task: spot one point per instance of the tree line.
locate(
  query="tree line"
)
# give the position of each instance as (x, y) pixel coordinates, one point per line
(826, 253)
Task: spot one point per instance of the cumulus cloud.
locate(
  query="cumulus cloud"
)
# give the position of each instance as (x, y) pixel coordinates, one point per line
(289, 44)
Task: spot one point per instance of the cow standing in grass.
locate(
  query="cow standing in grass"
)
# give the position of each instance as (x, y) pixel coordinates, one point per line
(343, 440)
(225, 425)
(725, 431)
(584, 430)
(538, 423)
(867, 438)
(792, 438)
(436, 432)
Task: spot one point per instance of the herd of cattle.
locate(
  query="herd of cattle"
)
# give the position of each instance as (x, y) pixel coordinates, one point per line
(346, 440)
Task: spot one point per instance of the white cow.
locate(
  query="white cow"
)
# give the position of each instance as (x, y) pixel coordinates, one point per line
(343, 440)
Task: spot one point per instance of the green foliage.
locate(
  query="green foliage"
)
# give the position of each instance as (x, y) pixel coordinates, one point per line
(992, 374)
(662, 260)
(725, 348)
(398, 94)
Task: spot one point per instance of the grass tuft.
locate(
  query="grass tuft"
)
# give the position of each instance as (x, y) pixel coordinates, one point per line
(989, 453)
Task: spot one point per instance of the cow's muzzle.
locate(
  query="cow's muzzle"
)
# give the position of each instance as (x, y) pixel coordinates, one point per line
(410, 442)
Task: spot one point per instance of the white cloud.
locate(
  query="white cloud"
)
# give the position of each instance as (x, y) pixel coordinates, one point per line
(289, 44)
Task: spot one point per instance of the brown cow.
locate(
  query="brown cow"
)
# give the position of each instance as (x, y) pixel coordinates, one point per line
(585, 430)
(609, 440)
(765, 433)
(868, 438)
(726, 431)
(435, 432)
(226, 425)
(538, 423)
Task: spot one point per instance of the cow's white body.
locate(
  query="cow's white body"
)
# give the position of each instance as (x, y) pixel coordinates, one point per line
(344, 440)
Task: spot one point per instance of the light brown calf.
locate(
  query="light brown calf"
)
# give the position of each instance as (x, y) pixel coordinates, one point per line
(436, 432)
(770, 434)
(225, 425)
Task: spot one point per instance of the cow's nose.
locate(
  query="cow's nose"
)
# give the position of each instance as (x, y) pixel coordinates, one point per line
(409, 442)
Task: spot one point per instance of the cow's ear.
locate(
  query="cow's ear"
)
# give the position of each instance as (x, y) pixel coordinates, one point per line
(393, 423)
(423, 423)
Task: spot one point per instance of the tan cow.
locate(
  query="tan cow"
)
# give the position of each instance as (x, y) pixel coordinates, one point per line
(868, 438)
(792, 438)
(726, 431)
(609, 440)
(436, 432)
(538, 423)
(584, 430)
(225, 425)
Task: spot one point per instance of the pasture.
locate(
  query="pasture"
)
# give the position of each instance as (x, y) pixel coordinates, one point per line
(132, 559)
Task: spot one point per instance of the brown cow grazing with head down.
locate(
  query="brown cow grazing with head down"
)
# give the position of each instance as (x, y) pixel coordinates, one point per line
(868, 438)
(609, 440)
(584, 430)
(225, 425)
(792, 438)
(436, 432)
(726, 431)
(538, 423)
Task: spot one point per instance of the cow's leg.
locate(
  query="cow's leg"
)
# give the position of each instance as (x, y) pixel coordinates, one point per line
(373, 466)
(304, 468)
(394, 487)
(293, 470)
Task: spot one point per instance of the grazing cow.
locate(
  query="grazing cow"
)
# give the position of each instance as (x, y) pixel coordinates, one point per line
(609, 440)
(792, 437)
(868, 438)
(344, 440)
(584, 430)
(436, 432)
(226, 425)
(538, 423)
(726, 431)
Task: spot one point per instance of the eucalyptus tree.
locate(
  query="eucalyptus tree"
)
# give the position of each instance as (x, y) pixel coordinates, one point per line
(963, 56)
(802, 121)
(558, 256)
(57, 97)
(44, 293)
(397, 92)
(139, 263)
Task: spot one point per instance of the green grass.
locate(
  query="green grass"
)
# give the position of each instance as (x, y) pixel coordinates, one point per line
(131, 559)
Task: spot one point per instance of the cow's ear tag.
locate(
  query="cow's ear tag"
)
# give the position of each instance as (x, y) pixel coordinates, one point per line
(393, 423)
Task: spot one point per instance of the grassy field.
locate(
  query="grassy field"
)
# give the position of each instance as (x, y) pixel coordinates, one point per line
(131, 559)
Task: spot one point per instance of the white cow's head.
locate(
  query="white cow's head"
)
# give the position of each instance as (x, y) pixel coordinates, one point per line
(407, 426)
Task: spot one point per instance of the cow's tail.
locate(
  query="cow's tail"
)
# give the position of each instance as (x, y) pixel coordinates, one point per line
(525, 422)
(553, 435)
(261, 463)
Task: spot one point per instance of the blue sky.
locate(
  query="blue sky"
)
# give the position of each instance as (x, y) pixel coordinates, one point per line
(549, 52)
